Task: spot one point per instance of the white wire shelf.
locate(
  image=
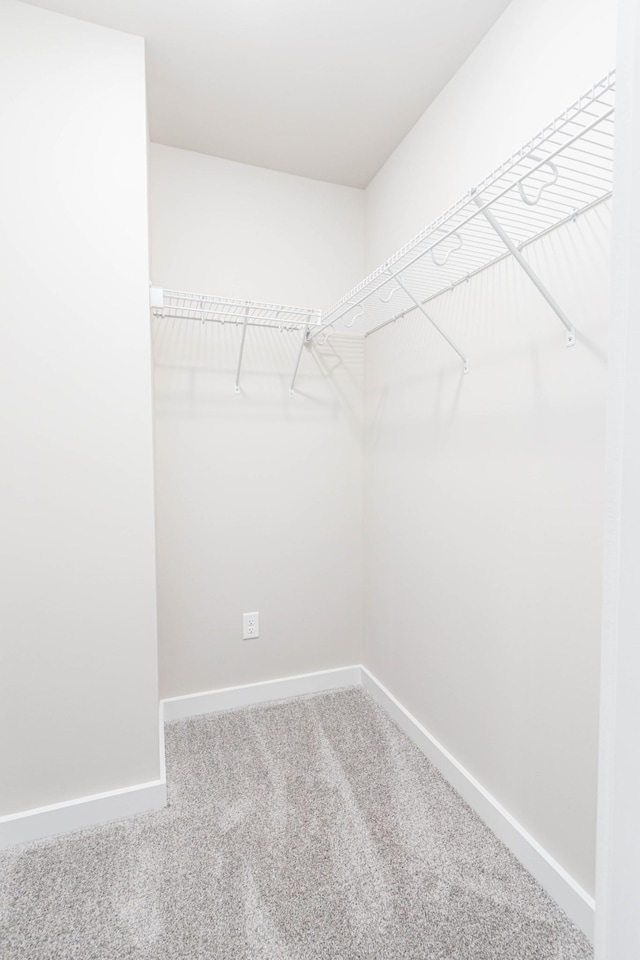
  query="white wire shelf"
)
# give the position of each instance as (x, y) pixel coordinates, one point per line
(253, 313)
(241, 313)
(562, 172)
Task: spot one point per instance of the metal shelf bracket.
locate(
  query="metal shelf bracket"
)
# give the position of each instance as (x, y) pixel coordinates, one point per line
(433, 323)
(242, 339)
(303, 342)
(530, 272)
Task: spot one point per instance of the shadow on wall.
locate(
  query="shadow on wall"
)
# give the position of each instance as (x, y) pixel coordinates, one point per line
(258, 501)
(196, 366)
(515, 343)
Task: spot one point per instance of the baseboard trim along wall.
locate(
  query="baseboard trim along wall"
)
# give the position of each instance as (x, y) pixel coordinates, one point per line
(82, 812)
(118, 804)
(230, 698)
(569, 895)
(92, 811)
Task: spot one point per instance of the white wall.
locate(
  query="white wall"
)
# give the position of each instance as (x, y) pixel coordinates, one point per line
(618, 879)
(78, 619)
(259, 495)
(483, 495)
(240, 231)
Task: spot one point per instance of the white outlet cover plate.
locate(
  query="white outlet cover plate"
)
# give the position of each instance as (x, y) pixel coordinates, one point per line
(250, 626)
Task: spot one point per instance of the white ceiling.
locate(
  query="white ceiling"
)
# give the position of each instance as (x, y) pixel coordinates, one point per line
(320, 88)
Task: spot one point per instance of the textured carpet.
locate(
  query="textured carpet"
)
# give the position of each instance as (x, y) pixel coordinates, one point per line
(310, 828)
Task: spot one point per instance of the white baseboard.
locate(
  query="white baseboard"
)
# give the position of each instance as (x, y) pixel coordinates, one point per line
(80, 813)
(102, 808)
(569, 895)
(231, 698)
(91, 811)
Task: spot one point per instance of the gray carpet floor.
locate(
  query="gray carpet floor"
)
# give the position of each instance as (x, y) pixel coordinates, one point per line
(310, 828)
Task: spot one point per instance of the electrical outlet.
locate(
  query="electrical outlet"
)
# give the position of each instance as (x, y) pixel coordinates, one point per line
(250, 626)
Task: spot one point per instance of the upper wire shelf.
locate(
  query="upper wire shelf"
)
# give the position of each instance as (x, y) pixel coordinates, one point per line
(562, 172)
